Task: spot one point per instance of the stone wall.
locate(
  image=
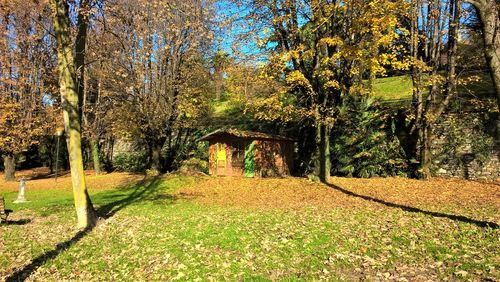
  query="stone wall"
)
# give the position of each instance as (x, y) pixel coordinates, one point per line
(465, 146)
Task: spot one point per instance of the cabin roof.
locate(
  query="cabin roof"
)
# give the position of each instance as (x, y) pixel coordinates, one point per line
(243, 134)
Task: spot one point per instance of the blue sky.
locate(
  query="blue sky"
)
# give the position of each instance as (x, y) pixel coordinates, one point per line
(234, 38)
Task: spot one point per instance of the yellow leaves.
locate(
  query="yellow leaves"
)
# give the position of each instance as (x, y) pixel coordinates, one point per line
(261, 43)
(468, 80)
(326, 73)
(330, 50)
(297, 79)
(435, 79)
(360, 88)
(332, 41)
(420, 65)
(20, 127)
(276, 66)
(388, 59)
(294, 54)
(404, 31)
(269, 109)
(300, 52)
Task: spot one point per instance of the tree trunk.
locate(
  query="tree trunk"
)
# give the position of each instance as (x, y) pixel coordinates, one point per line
(489, 13)
(489, 16)
(80, 49)
(71, 111)
(322, 163)
(10, 167)
(50, 151)
(94, 144)
(416, 76)
(156, 156)
(426, 153)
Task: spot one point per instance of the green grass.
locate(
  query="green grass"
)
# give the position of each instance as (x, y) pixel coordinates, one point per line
(153, 233)
(390, 88)
(398, 89)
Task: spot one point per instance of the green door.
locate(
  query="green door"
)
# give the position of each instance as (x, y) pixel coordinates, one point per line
(250, 159)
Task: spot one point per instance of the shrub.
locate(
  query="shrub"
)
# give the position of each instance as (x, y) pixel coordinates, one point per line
(130, 162)
(193, 165)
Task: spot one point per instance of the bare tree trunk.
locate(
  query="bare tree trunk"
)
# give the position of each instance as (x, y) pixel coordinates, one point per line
(156, 156)
(71, 109)
(94, 144)
(426, 152)
(416, 76)
(10, 167)
(50, 162)
(80, 49)
(322, 163)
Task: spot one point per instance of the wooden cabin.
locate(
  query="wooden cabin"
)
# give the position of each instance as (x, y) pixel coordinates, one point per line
(252, 154)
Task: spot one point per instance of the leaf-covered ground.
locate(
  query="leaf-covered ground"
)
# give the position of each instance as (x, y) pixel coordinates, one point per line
(186, 228)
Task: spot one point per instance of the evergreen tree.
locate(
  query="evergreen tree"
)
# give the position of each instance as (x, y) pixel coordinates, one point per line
(363, 144)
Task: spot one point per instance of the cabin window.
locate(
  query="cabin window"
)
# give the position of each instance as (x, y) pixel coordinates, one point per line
(237, 153)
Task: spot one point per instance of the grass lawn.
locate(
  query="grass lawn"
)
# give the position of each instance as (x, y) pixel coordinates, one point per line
(208, 228)
(393, 89)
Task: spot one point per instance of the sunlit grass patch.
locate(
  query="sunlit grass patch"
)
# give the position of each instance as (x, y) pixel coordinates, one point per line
(398, 89)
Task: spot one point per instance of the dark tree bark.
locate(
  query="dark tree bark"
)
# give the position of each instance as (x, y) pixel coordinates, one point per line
(10, 167)
(94, 144)
(322, 160)
(156, 156)
(154, 146)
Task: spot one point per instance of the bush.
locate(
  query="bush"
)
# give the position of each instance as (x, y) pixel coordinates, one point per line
(130, 162)
(193, 165)
(190, 148)
(364, 145)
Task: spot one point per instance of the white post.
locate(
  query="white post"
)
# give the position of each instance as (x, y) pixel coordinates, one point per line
(22, 188)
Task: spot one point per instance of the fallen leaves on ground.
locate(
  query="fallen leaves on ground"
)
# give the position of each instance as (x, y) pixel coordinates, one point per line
(476, 199)
(267, 193)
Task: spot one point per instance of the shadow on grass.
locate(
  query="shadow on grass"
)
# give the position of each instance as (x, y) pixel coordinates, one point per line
(147, 190)
(144, 190)
(48, 175)
(17, 222)
(461, 218)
